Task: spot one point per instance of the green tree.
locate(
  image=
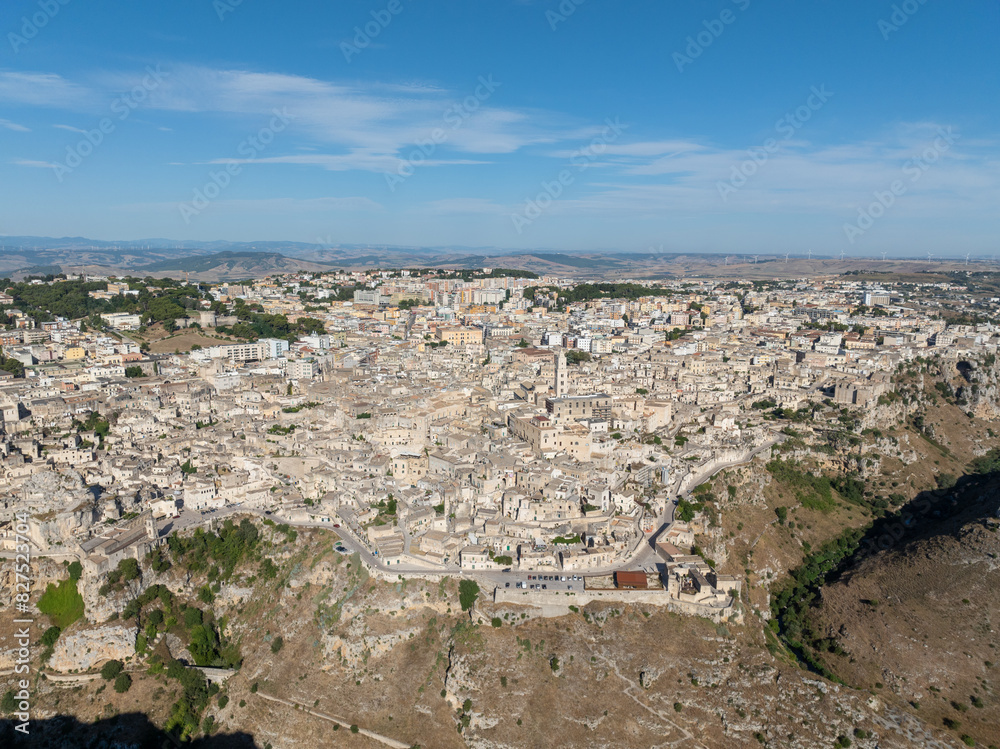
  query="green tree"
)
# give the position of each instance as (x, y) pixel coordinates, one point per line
(192, 616)
(685, 511)
(132, 609)
(129, 569)
(468, 592)
(50, 636)
(123, 683)
(205, 594)
(111, 669)
(204, 645)
(268, 570)
(14, 366)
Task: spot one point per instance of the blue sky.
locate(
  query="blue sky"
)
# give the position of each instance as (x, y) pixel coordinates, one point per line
(866, 126)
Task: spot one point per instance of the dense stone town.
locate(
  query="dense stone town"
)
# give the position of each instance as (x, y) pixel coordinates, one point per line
(447, 422)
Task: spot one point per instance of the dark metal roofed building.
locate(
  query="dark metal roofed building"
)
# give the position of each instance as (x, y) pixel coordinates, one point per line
(630, 580)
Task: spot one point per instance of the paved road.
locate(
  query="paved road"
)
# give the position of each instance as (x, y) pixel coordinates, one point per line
(642, 557)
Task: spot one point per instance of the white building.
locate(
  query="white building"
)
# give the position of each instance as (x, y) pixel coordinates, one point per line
(122, 320)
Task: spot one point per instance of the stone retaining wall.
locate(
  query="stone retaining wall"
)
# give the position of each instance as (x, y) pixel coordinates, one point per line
(582, 598)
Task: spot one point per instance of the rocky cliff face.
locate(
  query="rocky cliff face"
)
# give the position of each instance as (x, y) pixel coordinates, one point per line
(977, 386)
(90, 648)
(60, 505)
(400, 658)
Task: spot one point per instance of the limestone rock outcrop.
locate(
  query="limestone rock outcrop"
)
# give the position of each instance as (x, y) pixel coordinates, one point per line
(87, 649)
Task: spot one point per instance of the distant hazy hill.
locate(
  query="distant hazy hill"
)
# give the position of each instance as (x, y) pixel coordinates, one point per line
(223, 260)
(228, 265)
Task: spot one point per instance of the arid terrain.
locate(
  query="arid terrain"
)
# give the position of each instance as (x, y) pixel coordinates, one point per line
(403, 662)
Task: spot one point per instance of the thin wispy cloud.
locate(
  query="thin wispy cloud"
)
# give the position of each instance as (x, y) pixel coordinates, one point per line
(34, 164)
(252, 207)
(357, 159)
(44, 90)
(8, 125)
(376, 125)
(443, 129)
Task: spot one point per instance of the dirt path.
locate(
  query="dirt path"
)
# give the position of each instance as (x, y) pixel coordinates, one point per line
(71, 678)
(363, 731)
(630, 691)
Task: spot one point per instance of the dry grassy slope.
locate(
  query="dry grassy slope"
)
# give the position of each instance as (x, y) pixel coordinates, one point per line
(401, 659)
(922, 634)
(921, 619)
(162, 342)
(748, 538)
(380, 654)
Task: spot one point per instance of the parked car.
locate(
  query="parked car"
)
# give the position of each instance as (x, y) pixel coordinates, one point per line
(544, 586)
(506, 585)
